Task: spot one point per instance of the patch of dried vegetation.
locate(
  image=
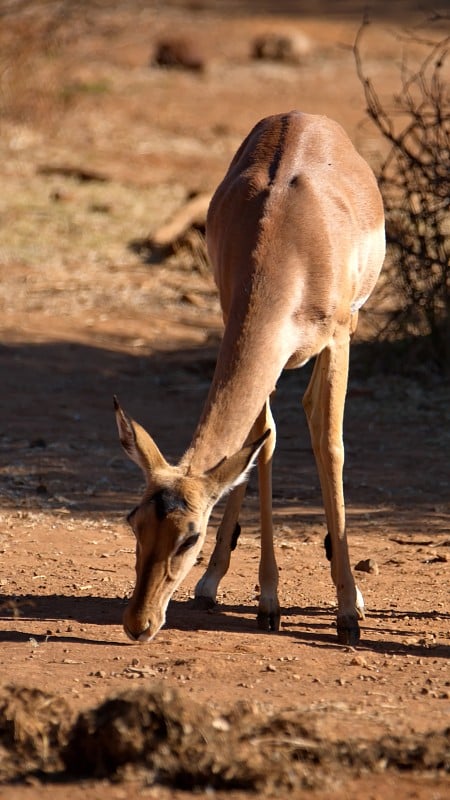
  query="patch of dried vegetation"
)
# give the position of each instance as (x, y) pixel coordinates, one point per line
(33, 728)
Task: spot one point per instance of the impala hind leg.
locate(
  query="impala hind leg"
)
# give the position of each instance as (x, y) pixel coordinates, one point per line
(324, 402)
(226, 540)
(269, 607)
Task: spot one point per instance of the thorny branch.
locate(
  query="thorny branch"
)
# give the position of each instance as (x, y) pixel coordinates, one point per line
(415, 182)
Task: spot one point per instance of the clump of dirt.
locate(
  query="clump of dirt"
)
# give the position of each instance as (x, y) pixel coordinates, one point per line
(33, 728)
(180, 742)
(177, 742)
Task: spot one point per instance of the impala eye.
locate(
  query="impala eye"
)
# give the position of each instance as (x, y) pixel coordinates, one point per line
(129, 517)
(187, 543)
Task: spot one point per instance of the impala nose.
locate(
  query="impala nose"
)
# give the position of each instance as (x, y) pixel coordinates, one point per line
(144, 636)
(141, 628)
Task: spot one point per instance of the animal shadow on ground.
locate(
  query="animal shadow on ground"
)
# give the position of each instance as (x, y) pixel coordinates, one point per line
(232, 618)
(59, 445)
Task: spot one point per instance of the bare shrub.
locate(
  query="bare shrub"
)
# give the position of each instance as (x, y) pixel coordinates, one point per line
(415, 182)
(289, 49)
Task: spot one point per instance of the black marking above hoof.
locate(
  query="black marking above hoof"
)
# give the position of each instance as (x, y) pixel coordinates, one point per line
(235, 536)
(203, 603)
(328, 547)
(268, 621)
(348, 631)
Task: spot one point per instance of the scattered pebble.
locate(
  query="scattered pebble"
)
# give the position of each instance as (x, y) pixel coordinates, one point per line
(358, 661)
(368, 565)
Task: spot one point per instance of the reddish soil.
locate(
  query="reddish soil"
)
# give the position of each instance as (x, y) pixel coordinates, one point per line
(84, 316)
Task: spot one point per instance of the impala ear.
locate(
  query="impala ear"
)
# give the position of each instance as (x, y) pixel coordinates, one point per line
(138, 444)
(232, 471)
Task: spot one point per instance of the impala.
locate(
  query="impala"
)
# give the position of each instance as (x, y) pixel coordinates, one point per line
(295, 233)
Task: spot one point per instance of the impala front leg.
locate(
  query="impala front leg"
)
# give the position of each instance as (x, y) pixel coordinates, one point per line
(269, 607)
(324, 406)
(226, 540)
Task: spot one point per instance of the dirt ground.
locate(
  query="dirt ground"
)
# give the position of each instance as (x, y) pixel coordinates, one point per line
(98, 148)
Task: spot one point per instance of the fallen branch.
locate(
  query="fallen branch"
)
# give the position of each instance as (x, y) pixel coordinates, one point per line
(192, 214)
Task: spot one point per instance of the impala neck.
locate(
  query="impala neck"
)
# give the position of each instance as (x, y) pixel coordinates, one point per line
(246, 373)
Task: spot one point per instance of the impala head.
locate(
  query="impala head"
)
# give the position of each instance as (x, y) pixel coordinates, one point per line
(170, 522)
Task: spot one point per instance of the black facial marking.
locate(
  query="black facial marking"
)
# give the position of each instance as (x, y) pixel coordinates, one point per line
(235, 537)
(328, 547)
(167, 501)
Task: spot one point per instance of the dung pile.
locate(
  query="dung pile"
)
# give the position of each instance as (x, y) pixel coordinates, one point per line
(171, 740)
(179, 742)
(185, 745)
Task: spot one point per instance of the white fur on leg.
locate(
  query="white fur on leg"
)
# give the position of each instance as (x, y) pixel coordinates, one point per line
(360, 603)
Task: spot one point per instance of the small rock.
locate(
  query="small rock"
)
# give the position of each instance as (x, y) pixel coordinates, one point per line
(368, 565)
(221, 724)
(358, 661)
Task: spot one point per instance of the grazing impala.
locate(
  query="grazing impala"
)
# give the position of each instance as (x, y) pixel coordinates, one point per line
(295, 232)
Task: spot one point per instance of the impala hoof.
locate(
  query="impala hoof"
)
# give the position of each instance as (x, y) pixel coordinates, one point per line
(268, 620)
(348, 631)
(203, 603)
